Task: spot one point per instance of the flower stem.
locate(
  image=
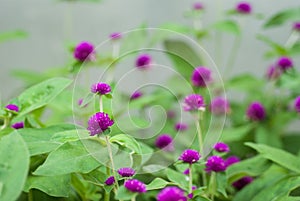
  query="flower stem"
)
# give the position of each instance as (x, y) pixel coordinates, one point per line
(190, 179)
(233, 55)
(107, 197)
(199, 133)
(111, 159)
(133, 198)
(212, 185)
(101, 103)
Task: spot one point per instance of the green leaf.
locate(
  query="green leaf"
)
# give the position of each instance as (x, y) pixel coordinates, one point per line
(14, 166)
(17, 34)
(177, 178)
(278, 156)
(41, 94)
(157, 183)
(265, 136)
(235, 133)
(282, 17)
(221, 183)
(57, 186)
(126, 141)
(87, 99)
(228, 26)
(29, 77)
(124, 194)
(245, 82)
(277, 48)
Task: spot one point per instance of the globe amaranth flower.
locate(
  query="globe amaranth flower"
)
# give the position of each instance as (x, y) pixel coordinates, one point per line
(84, 51)
(186, 171)
(100, 88)
(115, 36)
(135, 185)
(165, 142)
(181, 126)
(201, 76)
(241, 183)
(297, 104)
(284, 63)
(18, 125)
(12, 107)
(193, 102)
(110, 181)
(98, 123)
(221, 147)
(171, 193)
(215, 164)
(232, 160)
(256, 111)
(198, 6)
(136, 95)
(126, 172)
(189, 156)
(296, 26)
(143, 61)
(273, 72)
(219, 106)
(243, 8)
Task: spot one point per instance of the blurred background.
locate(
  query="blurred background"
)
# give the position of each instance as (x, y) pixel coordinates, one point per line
(52, 24)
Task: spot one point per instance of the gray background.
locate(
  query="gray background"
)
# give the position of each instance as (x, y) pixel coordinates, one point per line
(51, 23)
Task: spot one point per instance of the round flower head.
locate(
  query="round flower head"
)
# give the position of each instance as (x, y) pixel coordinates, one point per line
(181, 127)
(84, 51)
(12, 107)
(136, 95)
(201, 76)
(189, 156)
(198, 6)
(297, 104)
(241, 183)
(165, 142)
(273, 72)
(219, 106)
(221, 147)
(135, 185)
(98, 123)
(256, 111)
(215, 164)
(296, 26)
(115, 36)
(193, 102)
(243, 8)
(171, 193)
(143, 61)
(100, 88)
(126, 172)
(18, 125)
(186, 171)
(232, 160)
(284, 63)
(110, 181)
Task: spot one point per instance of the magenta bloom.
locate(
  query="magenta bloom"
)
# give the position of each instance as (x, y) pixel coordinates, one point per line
(186, 171)
(285, 63)
(219, 106)
(198, 6)
(201, 76)
(243, 8)
(115, 36)
(126, 172)
(232, 160)
(297, 104)
(84, 51)
(273, 72)
(136, 95)
(241, 183)
(221, 147)
(296, 26)
(171, 194)
(143, 61)
(100, 88)
(18, 125)
(12, 107)
(189, 156)
(98, 123)
(135, 185)
(256, 111)
(165, 142)
(110, 181)
(215, 164)
(193, 102)
(181, 126)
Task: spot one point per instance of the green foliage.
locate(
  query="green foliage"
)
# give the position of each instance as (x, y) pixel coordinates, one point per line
(11, 35)
(282, 17)
(228, 26)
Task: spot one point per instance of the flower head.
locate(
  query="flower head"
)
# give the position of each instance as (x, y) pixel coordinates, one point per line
(171, 193)
(193, 102)
(296, 26)
(186, 171)
(98, 123)
(219, 106)
(285, 63)
(198, 6)
(143, 61)
(181, 126)
(136, 95)
(126, 172)
(189, 156)
(241, 183)
(297, 104)
(12, 107)
(18, 125)
(216, 164)
(232, 160)
(110, 181)
(135, 185)
(221, 147)
(115, 36)
(256, 111)
(243, 8)
(84, 51)
(171, 114)
(165, 142)
(273, 72)
(100, 88)
(201, 76)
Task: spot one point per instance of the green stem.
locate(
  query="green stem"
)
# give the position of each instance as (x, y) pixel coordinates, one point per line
(6, 123)
(199, 133)
(30, 196)
(233, 55)
(190, 179)
(101, 103)
(133, 198)
(212, 185)
(107, 197)
(111, 160)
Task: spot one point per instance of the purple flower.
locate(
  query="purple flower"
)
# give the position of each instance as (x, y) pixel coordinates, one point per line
(296, 26)
(84, 51)
(193, 102)
(171, 194)
(181, 126)
(201, 76)
(12, 107)
(165, 142)
(256, 111)
(115, 36)
(198, 6)
(189, 156)
(297, 104)
(221, 147)
(100, 88)
(219, 106)
(110, 181)
(186, 171)
(135, 185)
(273, 72)
(241, 183)
(285, 63)
(143, 61)
(98, 123)
(18, 125)
(232, 160)
(136, 95)
(216, 164)
(80, 101)
(243, 8)
(171, 114)
(126, 172)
